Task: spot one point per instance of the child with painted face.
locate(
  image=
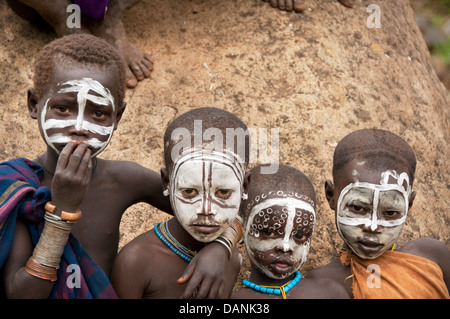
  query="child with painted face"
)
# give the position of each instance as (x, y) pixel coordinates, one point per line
(279, 217)
(61, 212)
(373, 172)
(204, 179)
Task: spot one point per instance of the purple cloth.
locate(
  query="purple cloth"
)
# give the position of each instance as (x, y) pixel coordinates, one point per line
(23, 197)
(95, 9)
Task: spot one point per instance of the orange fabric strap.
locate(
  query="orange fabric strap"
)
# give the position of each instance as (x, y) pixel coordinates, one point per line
(400, 275)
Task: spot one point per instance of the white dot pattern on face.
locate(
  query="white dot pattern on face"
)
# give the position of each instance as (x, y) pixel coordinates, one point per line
(262, 218)
(277, 220)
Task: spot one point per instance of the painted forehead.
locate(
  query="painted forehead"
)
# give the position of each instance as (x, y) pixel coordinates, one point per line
(84, 88)
(225, 158)
(279, 194)
(389, 180)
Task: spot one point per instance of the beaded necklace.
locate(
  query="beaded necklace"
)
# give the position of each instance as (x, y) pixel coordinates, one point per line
(274, 290)
(162, 231)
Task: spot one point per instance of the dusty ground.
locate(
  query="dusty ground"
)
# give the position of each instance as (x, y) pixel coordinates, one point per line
(316, 76)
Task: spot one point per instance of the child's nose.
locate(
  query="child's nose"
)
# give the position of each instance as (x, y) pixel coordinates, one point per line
(284, 246)
(207, 207)
(79, 130)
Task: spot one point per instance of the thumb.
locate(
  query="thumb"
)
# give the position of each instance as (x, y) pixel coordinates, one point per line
(187, 272)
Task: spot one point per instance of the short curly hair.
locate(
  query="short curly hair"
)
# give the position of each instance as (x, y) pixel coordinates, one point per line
(82, 48)
(286, 179)
(210, 117)
(379, 149)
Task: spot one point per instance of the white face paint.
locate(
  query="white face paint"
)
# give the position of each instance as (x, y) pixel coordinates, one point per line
(278, 235)
(83, 88)
(205, 192)
(381, 208)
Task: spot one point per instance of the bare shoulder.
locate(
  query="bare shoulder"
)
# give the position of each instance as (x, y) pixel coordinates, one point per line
(138, 253)
(133, 267)
(332, 270)
(122, 170)
(322, 288)
(428, 248)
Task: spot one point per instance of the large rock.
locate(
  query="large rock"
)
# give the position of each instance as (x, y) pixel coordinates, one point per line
(315, 76)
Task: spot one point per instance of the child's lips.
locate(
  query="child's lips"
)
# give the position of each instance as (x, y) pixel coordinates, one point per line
(282, 265)
(205, 228)
(370, 246)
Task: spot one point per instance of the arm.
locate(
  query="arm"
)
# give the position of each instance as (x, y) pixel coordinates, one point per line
(19, 283)
(438, 252)
(127, 276)
(146, 185)
(30, 272)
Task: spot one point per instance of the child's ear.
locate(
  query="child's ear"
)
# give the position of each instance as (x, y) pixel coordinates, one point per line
(119, 114)
(246, 182)
(329, 194)
(32, 102)
(164, 177)
(411, 199)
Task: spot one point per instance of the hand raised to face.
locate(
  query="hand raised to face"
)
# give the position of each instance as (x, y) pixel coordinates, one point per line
(72, 176)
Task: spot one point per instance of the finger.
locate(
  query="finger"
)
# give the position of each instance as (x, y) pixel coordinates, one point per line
(187, 272)
(88, 172)
(204, 289)
(281, 4)
(85, 163)
(64, 156)
(76, 157)
(221, 292)
(214, 290)
(191, 289)
(274, 3)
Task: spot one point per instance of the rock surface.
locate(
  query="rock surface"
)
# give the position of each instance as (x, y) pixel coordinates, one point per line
(315, 76)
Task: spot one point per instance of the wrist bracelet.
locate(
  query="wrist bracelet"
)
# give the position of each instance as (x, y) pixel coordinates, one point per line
(231, 236)
(226, 243)
(48, 251)
(38, 270)
(70, 217)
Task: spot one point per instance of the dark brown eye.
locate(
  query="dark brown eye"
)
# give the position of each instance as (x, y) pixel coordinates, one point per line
(99, 115)
(63, 109)
(392, 214)
(269, 232)
(223, 193)
(357, 209)
(189, 193)
(300, 237)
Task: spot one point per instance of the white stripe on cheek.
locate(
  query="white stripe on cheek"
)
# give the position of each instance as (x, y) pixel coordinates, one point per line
(59, 139)
(85, 125)
(63, 139)
(288, 228)
(46, 137)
